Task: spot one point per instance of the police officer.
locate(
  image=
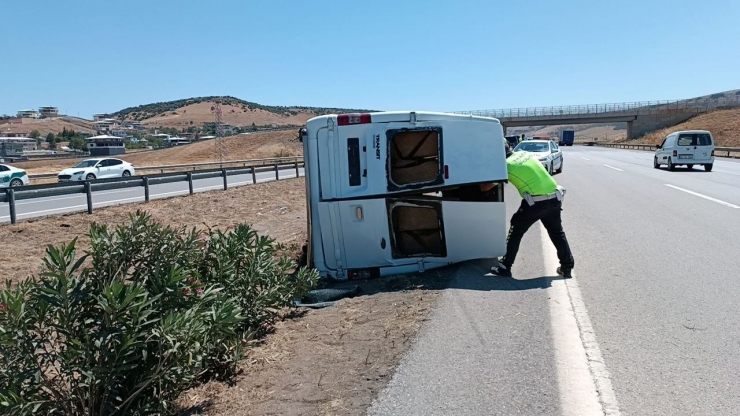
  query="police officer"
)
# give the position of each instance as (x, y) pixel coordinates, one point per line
(541, 200)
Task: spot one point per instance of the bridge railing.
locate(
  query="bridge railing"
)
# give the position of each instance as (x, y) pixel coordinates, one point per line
(639, 107)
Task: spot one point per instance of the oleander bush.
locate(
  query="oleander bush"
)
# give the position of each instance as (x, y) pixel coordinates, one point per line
(145, 313)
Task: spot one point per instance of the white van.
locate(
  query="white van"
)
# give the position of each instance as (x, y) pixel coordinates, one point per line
(397, 192)
(687, 148)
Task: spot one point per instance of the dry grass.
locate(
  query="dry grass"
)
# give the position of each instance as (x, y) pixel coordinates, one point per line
(47, 125)
(239, 147)
(723, 124)
(197, 114)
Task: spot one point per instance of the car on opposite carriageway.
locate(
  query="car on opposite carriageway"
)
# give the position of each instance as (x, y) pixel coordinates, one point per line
(11, 176)
(97, 168)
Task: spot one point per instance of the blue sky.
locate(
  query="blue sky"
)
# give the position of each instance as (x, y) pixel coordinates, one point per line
(100, 56)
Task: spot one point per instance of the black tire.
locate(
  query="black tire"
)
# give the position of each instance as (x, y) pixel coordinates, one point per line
(560, 169)
(15, 183)
(126, 173)
(708, 167)
(549, 170)
(656, 165)
(671, 166)
(90, 176)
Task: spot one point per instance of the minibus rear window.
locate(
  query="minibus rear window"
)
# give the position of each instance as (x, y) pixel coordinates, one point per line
(414, 156)
(417, 230)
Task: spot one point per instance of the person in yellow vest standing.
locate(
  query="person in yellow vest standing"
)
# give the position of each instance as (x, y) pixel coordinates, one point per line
(542, 200)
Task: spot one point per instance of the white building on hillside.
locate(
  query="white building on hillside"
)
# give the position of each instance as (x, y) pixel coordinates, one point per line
(48, 111)
(28, 114)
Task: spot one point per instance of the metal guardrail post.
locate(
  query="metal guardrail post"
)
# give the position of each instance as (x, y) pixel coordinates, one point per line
(226, 184)
(11, 205)
(190, 182)
(88, 192)
(146, 188)
(254, 175)
(277, 172)
(297, 172)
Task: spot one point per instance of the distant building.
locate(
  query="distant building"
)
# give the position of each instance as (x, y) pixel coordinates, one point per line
(101, 116)
(171, 141)
(106, 125)
(136, 125)
(227, 129)
(28, 114)
(48, 112)
(27, 142)
(105, 145)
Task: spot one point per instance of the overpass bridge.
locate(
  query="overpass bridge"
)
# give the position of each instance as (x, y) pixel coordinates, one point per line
(641, 117)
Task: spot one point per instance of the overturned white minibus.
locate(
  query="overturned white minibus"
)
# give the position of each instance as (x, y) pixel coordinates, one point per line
(398, 192)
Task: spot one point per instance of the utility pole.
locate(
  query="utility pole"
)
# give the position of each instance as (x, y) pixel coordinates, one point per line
(221, 152)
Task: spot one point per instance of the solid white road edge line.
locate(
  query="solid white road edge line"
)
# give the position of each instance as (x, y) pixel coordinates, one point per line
(612, 167)
(583, 380)
(719, 201)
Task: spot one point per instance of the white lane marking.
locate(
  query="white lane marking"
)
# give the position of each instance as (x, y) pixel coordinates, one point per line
(719, 201)
(585, 158)
(583, 380)
(151, 196)
(612, 167)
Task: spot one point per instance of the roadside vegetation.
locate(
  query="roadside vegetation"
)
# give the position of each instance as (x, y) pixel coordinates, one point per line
(145, 313)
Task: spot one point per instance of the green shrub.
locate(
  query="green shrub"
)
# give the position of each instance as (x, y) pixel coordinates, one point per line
(146, 312)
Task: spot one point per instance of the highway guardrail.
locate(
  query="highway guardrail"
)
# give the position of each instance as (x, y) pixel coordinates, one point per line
(11, 195)
(194, 166)
(718, 151)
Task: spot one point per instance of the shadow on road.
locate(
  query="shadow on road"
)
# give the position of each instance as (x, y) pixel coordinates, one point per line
(476, 275)
(471, 275)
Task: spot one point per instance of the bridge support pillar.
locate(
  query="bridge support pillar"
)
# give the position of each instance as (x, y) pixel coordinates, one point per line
(629, 130)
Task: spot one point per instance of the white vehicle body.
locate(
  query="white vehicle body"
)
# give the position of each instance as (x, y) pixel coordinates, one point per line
(11, 176)
(373, 183)
(546, 151)
(687, 148)
(97, 168)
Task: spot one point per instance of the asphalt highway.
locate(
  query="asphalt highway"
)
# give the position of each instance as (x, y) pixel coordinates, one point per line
(647, 326)
(38, 207)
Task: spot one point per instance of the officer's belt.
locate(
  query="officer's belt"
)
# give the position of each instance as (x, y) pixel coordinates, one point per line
(538, 198)
(531, 199)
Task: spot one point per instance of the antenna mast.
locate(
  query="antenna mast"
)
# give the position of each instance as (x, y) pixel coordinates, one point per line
(220, 145)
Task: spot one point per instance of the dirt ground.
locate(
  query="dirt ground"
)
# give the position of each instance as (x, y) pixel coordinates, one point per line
(239, 147)
(330, 361)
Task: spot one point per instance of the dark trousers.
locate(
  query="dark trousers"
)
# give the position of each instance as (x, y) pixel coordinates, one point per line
(549, 213)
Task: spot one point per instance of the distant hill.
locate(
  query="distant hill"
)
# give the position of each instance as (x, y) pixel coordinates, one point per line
(236, 112)
(48, 125)
(724, 125)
